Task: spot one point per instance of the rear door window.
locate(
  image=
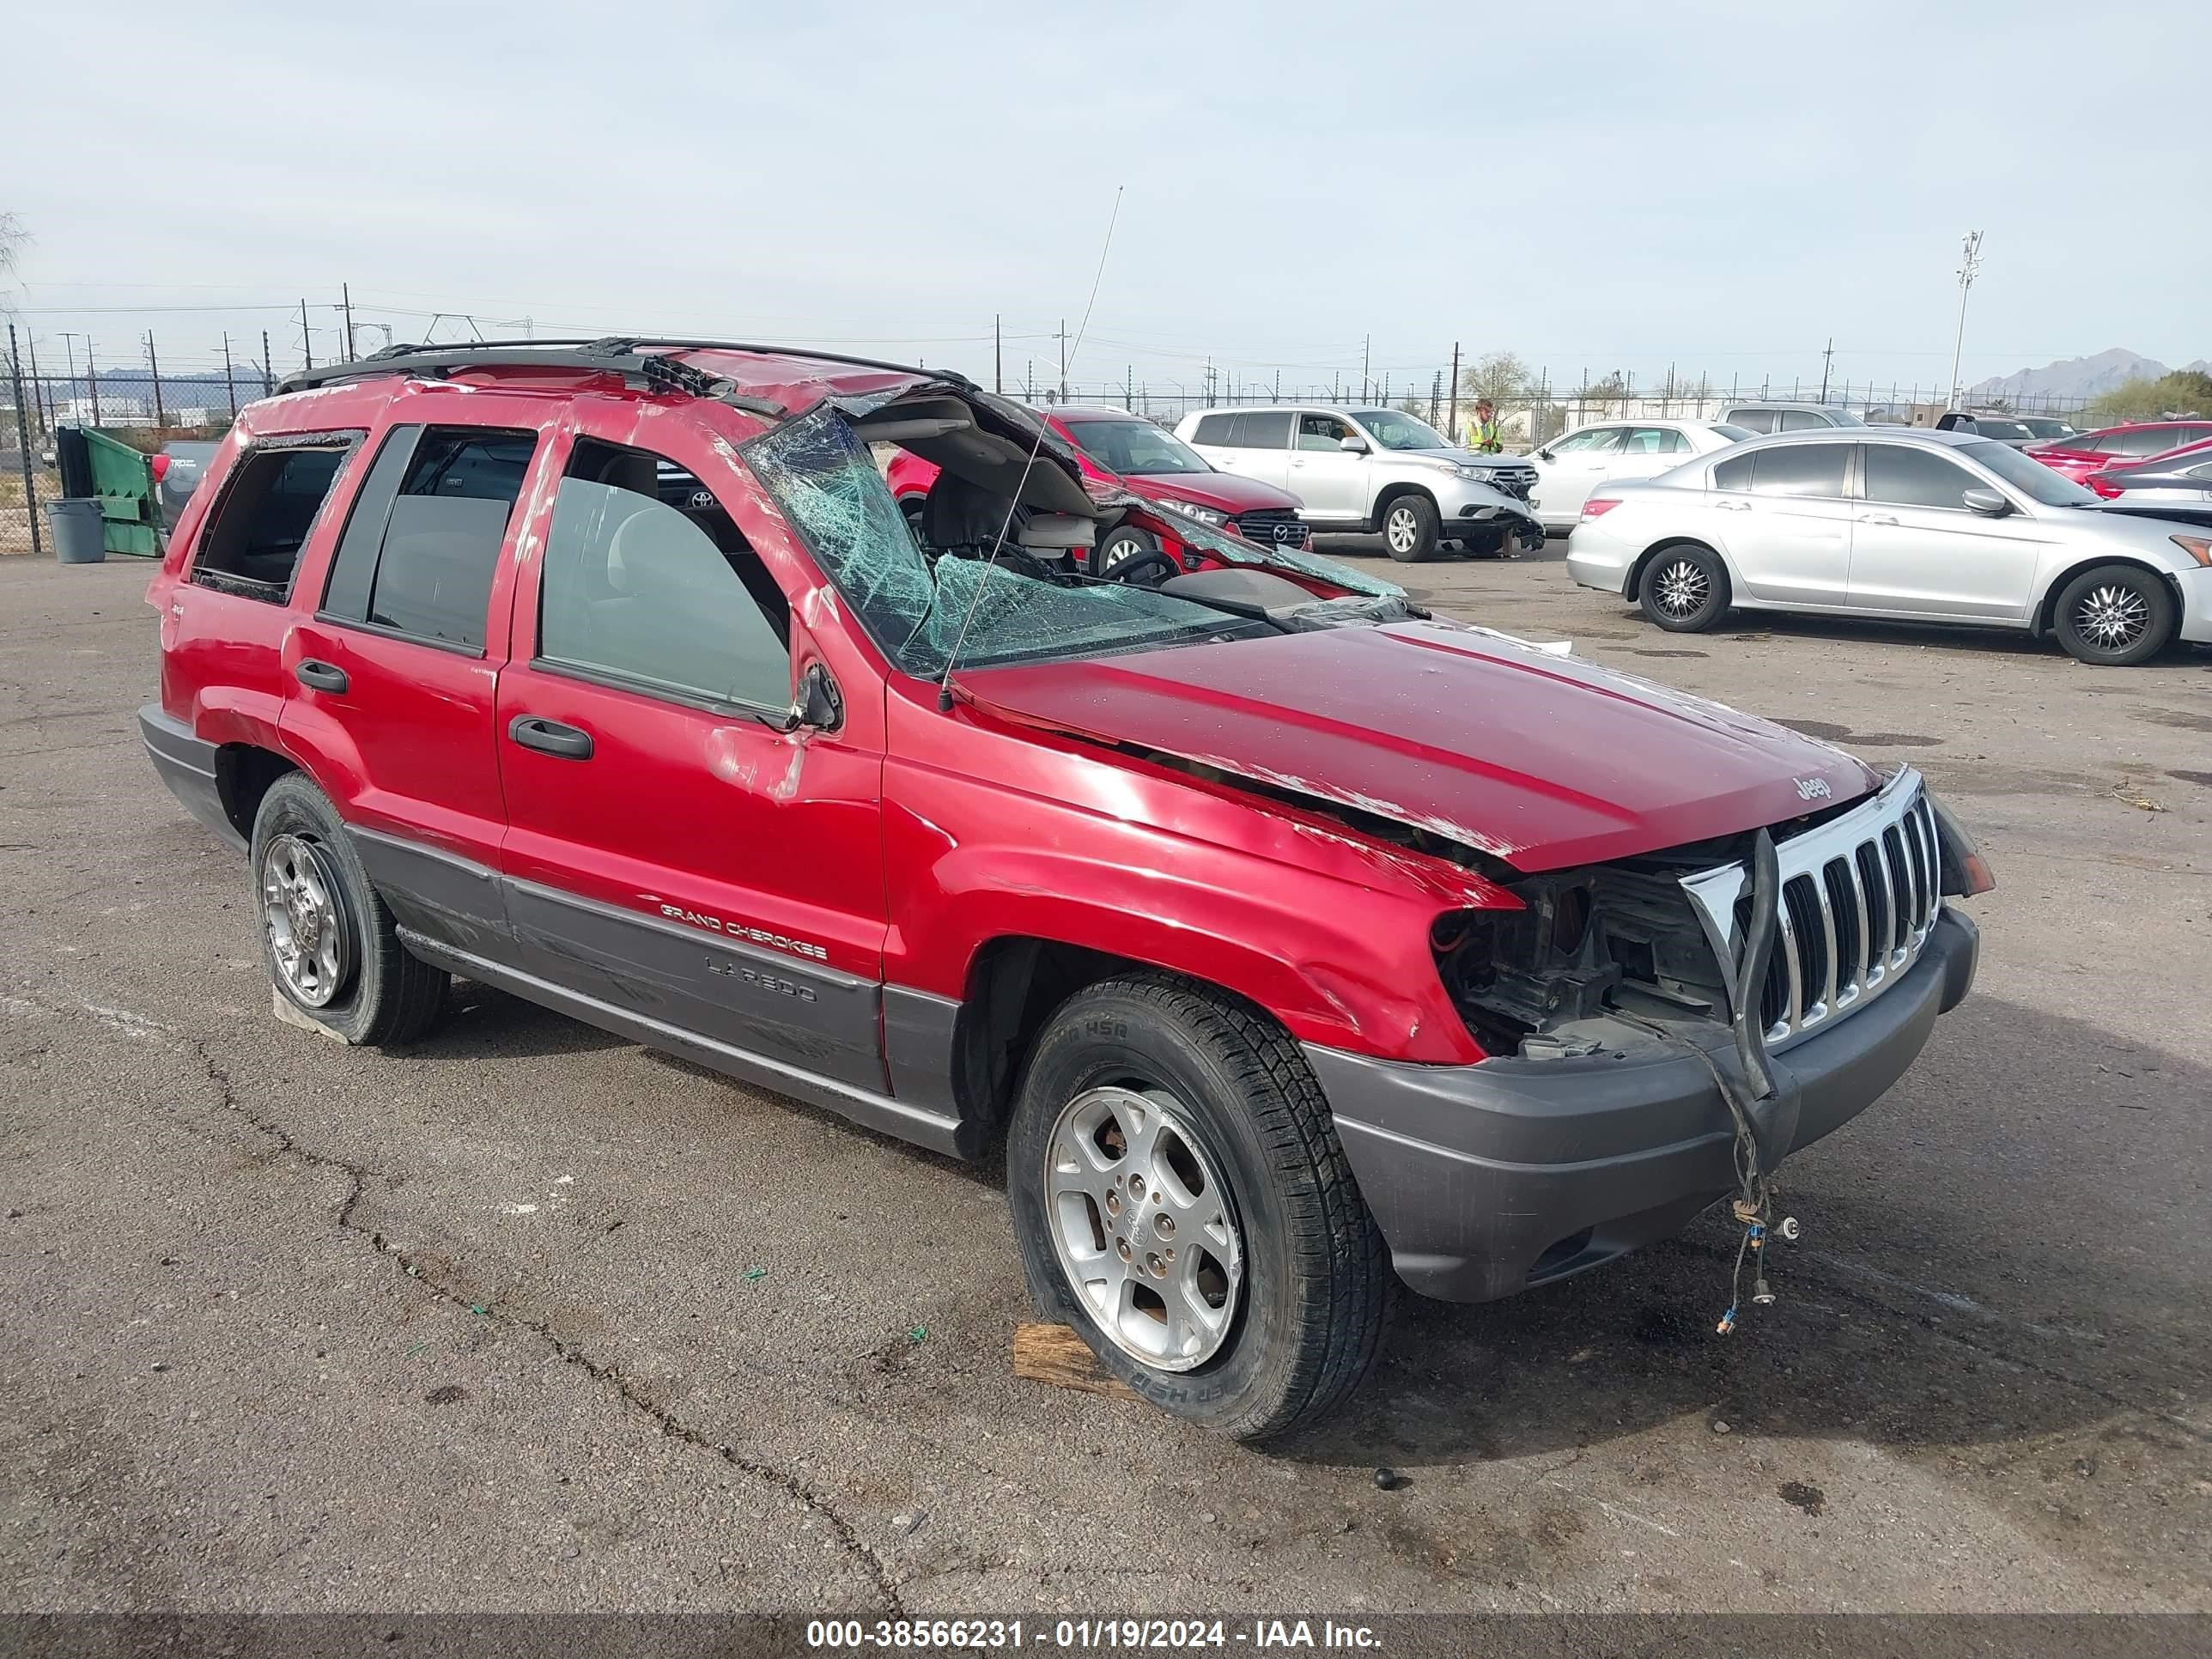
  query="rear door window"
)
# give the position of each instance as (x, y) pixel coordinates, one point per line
(1800, 469)
(2144, 441)
(1214, 430)
(1262, 428)
(423, 544)
(1654, 440)
(267, 510)
(1800, 420)
(1754, 420)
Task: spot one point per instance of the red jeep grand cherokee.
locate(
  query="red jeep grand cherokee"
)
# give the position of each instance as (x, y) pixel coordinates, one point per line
(1116, 447)
(1286, 934)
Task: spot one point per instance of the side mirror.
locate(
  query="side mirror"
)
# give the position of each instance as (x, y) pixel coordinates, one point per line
(1546, 455)
(1354, 444)
(1987, 502)
(818, 704)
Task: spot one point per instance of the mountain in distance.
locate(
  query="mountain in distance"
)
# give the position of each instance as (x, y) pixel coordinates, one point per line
(2077, 377)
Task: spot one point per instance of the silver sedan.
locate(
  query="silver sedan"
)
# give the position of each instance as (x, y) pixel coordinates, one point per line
(1914, 525)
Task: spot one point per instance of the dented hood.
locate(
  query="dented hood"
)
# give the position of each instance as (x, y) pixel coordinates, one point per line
(1539, 760)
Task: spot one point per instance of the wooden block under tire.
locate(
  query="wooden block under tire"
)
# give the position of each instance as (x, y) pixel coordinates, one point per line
(1055, 1354)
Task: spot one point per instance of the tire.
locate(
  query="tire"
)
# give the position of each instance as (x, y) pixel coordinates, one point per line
(362, 983)
(1684, 588)
(2115, 616)
(1239, 1134)
(1411, 527)
(1123, 542)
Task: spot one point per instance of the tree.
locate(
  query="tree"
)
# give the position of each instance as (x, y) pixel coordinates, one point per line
(12, 238)
(2185, 391)
(1499, 376)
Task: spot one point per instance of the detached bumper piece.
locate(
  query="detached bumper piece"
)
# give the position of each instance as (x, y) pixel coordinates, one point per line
(1489, 1179)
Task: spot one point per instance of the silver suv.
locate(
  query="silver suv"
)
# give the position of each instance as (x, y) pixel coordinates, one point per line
(1377, 471)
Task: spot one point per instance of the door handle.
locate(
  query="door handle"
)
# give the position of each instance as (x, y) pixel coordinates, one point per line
(320, 675)
(1878, 518)
(551, 738)
(1733, 507)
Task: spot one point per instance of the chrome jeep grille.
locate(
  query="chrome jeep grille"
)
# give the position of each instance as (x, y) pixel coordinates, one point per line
(1514, 481)
(1860, 894)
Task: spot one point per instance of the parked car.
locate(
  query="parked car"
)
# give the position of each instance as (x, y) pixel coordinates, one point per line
(2112, 446)
(1766, 417)
(2048, 429)
(1988, 423)
(2176, 485)
(177, 472)
(1568, 467)
(1115, 447)
(1223, 901)
(1376, 471)
(1920, 525)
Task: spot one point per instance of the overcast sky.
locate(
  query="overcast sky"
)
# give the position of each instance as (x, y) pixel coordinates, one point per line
(1722, 187)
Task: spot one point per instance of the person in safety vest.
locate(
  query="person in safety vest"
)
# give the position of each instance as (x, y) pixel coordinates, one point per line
(1482, 431)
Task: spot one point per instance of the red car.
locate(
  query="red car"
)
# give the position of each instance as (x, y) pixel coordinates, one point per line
(1281, 933)
(2116, 447)
(2105, 482)
(1113, 446)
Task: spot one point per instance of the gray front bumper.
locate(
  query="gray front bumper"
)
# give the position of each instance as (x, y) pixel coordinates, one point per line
(1487, 1179)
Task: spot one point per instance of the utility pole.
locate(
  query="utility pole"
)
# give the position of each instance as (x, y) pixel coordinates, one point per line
(306, 340)
(1063, 360)
(68, 345)
(268, 380)
(1970, 266)
(229, 385)
(160, 413)
(998, 360)
(1366, 353)
(23, 443)
(1451, 421)
(1129, 388)
(1278, 397)
(1828, 357)
(41, 399)
(92, 374)
(345, 302)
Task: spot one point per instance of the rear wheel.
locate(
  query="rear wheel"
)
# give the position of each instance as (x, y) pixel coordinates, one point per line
(329, 942)
(1410, 528)
(1684, 588)
(2115, 616)
(1181, 1201)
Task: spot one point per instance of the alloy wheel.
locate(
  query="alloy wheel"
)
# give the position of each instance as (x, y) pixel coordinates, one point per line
(2111, 617)
(1144, 1226)
(1682, 587)
(1401, 530)
(308, 937)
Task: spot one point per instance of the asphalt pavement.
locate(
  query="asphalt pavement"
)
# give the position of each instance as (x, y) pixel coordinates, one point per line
(530, 1318)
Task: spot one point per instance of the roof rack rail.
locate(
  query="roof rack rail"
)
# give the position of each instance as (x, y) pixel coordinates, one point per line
(650, 358)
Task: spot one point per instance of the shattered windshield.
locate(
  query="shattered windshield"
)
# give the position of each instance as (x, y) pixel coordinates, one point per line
(821, 476)
(1235, 550)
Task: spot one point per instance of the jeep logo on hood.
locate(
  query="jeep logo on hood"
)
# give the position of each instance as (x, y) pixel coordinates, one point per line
(1812, 788)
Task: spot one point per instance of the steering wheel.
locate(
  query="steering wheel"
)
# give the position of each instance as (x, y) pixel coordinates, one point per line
(1127, 551)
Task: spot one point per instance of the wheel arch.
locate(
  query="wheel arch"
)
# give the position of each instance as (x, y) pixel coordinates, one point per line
(1392, 492)
(2044, 618)
(243, 774)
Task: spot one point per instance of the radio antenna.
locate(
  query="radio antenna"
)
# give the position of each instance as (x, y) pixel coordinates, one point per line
(952, 658)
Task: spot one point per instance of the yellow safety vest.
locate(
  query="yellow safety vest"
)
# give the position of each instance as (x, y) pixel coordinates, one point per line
(1482, 437)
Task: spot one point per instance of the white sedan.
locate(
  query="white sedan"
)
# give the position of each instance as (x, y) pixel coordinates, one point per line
(1897, 523)
(1567, 468)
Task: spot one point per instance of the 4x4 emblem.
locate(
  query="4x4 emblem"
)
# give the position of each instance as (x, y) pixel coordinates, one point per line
(1812, 788)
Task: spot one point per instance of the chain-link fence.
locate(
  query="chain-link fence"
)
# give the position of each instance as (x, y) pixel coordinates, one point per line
(1530, 415)
(139, 406)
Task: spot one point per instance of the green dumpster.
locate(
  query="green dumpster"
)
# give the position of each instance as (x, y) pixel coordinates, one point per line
(118, 476)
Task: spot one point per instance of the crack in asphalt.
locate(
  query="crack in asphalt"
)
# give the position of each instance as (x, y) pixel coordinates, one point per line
(359, 1176)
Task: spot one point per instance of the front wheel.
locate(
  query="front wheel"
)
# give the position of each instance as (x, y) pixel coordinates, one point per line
(2116, 616)
(1411, 527)
(1181, 1199)
(1684, 589)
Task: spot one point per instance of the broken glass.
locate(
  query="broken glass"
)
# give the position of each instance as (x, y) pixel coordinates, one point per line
(829, 491)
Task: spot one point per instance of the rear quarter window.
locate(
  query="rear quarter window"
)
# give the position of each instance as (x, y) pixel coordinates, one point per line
(1212, 429)
(266, 512)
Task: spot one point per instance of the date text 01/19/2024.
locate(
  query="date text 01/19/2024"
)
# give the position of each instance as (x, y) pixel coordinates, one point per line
(1085, 1635)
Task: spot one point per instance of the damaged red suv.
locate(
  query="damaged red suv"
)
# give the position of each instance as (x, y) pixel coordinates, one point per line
(1284, 934)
